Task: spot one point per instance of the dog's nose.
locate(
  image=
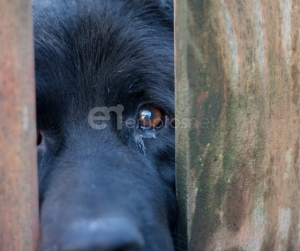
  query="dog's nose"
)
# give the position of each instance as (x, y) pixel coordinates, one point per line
(108, 234)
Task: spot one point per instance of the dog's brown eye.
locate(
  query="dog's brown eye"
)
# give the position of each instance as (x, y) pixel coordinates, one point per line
(38, 137)
(150, 117)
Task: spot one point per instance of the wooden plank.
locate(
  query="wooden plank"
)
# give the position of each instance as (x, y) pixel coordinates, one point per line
(18, 168)
(182, 113)
(238, 83)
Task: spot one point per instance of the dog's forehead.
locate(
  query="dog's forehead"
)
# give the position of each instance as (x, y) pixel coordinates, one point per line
(83, 54)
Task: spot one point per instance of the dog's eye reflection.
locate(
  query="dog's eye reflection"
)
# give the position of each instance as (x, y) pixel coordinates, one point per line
(38, 137)
(150, 117)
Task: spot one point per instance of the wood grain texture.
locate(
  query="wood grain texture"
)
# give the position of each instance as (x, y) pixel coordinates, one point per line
(18, 168)
(240, 62)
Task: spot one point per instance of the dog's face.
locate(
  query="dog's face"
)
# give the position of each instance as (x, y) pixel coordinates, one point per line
(105, 104)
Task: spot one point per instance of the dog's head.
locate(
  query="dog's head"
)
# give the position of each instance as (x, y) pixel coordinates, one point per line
(105, 104)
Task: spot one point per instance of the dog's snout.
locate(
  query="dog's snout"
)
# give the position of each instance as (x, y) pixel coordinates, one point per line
(108, 234)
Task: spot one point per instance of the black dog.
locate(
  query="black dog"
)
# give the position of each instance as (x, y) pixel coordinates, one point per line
(105, 104)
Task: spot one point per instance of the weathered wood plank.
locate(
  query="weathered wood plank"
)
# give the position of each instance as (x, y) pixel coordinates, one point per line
(18, 171)
(239, 72)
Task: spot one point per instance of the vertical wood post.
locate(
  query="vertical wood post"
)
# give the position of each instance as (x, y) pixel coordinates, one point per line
(18, 168)
(238, 124)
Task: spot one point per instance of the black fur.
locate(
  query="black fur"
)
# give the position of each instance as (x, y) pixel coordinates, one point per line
(99, 190)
